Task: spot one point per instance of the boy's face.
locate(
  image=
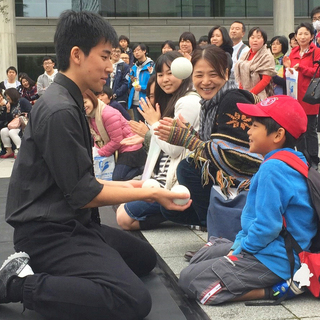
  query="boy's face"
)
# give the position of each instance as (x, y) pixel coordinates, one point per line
(96, 67)
(11, 75)
(104, 98)
(259, 141)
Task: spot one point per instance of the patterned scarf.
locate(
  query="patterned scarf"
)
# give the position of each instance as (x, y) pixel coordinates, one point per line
(209, 110)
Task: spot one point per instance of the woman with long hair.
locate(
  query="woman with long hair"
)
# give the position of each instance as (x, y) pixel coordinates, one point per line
(187, 44)
(173, 97)
(16, 107)
(29, 89)
(302, 60)
(108, 127)
(220, 147)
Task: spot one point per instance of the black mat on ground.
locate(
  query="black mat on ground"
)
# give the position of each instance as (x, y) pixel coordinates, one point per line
(168, 300)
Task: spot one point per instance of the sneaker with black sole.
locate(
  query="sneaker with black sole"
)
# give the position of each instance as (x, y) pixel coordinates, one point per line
(15, 266)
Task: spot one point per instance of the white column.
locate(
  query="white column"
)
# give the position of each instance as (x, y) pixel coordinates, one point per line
(283, 17)
(8, 42)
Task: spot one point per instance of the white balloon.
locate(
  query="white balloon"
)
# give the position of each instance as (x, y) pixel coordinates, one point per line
(151, 183)
(181, 189)
(181, 68)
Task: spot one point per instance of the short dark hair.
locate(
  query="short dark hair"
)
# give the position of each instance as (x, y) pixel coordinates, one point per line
(258, 29)
(203, 39)
(108, 91)
(306, 25)
(283, 41)
(13, 69)
(169, 43)
(273, 126)
(291, 35)
(142, 46)
(122, 37)
(243, 25)
(83, 29)
(46, 58)
(225, 35)
(189, 36)
(13, 94)
(314, 11)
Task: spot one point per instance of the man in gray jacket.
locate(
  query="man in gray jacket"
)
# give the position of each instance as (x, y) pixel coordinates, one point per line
(47, 78)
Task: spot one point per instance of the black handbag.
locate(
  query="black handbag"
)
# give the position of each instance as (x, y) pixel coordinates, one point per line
(312, 95)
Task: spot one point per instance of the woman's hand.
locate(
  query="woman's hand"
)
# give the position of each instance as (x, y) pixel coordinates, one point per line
(296, 67)
(138, 128)
(150, 114)
(163, 131)
(186, 55)
(286, 62)
(133, 140)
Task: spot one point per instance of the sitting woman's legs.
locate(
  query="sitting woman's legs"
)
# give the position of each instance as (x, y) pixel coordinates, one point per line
(14, 136)
(5, 138)
(138, 215)
(123, 172)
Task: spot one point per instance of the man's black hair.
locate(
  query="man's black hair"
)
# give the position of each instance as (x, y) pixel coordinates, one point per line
(314, 11)
(13, 69)
(243, 25)
(83, 29)
(273, 126)
(45, 58)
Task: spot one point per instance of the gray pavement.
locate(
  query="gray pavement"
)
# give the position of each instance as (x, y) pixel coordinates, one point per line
(171, 241)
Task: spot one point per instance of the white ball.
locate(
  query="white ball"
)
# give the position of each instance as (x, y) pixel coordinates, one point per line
(151, 183)
(181, 189)
(181, 68)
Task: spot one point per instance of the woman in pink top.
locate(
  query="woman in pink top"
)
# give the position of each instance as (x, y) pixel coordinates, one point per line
(108, 127)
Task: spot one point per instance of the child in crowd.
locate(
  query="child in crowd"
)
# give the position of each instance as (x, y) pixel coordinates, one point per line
(256, 264)
(106, 95)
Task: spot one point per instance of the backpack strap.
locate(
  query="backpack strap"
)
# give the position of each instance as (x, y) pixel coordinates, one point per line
(292, 160)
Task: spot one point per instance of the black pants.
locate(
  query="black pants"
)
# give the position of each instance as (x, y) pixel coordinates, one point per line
(309, 142)
(85, 272)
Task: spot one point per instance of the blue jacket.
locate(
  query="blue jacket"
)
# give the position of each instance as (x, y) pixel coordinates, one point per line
(276, 190)
(143, 80)
(120, 82)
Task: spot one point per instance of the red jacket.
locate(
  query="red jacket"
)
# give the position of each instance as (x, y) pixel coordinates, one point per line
(306, 71)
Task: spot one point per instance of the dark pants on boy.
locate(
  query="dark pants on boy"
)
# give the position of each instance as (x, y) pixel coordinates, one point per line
(213, 277)
(85, 272)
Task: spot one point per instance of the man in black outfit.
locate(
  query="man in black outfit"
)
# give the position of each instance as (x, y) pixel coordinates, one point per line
(78, 268)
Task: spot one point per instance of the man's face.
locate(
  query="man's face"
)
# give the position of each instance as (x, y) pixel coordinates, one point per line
(125, 57)
(139, 54)
(48, 65)
(115, 54)
(95, 67)
(124, 44)
(11, 75)
(236, 32)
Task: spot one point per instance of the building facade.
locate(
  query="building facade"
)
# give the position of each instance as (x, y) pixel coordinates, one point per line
(148, 21)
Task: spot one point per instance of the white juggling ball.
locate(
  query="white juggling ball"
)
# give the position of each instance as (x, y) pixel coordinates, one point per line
(181, 189)
(181, 68)
(151, 183)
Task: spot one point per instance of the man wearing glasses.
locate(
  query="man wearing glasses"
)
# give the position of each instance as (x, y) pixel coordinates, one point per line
(118, 79)
(47, 77)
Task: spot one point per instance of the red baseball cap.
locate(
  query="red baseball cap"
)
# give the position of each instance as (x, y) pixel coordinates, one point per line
(285, 110)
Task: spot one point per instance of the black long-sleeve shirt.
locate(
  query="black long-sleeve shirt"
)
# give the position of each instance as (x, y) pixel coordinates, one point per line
(53, 178)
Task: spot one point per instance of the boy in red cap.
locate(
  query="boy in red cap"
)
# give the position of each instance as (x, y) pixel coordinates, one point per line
(256, 265)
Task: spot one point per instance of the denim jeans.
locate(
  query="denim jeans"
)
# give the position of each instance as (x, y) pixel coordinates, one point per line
(190, 177)
(123, 172)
